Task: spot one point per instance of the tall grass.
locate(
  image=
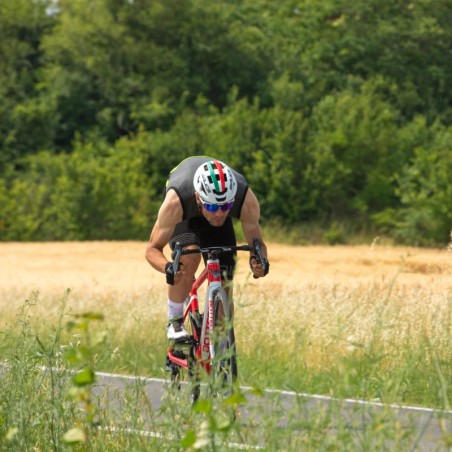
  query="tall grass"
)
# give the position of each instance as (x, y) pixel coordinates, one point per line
(377, 342)
(371, 342)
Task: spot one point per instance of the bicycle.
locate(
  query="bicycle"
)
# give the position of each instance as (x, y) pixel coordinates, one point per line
(211, 343)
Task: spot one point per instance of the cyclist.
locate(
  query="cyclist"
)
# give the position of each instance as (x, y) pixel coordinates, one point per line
(200, 197)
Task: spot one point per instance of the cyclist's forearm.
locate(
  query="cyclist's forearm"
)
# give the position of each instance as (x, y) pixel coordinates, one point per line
(156, 258)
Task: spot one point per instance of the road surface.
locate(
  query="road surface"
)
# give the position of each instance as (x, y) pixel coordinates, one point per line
(424, 429)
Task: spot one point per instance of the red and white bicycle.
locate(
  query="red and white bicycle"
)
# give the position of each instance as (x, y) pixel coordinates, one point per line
(211, 344)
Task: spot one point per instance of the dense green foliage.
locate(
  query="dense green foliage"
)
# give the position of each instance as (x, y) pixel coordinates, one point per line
(342, 107)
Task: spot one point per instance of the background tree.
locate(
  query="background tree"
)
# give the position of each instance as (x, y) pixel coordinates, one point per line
(22, 116)
(340, 107)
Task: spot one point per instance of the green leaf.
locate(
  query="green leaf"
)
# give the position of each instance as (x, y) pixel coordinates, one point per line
(189, 439)
(84, 377)
(203, 406)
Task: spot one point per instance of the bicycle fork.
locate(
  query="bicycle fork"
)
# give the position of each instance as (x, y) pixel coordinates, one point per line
(207, 345)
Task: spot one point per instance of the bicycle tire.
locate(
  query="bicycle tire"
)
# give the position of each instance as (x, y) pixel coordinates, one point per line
(193, 366)
(225, 369)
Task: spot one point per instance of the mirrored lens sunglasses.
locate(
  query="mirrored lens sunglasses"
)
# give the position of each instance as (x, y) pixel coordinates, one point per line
(214, 207)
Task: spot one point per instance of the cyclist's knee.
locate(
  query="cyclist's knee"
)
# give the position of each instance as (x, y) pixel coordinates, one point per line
(190, 263)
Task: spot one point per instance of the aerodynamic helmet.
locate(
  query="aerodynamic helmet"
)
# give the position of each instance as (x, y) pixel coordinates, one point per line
(215, 183)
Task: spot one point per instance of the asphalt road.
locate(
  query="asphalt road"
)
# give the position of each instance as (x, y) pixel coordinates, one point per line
(424, 429)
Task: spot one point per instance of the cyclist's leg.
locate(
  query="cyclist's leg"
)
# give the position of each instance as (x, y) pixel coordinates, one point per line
(177, 294)
(183, 384)
(188, 239)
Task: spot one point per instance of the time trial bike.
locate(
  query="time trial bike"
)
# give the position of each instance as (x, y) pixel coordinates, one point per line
(210, 345)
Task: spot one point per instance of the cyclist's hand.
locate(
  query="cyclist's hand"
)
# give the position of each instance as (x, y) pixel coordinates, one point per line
(256, 267)
(172, 278)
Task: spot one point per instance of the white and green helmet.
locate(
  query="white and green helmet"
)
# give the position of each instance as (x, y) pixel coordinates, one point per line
(215, 182)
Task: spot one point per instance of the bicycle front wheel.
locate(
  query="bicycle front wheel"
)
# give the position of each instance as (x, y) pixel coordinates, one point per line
(224, 363)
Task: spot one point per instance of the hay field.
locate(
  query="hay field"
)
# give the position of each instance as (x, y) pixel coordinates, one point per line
(324, 300)
(97, 267)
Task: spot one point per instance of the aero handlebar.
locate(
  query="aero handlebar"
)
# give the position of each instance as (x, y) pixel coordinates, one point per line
(215, 251)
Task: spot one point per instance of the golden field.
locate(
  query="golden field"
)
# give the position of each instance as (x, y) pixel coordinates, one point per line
(120, 266)
(334, 298)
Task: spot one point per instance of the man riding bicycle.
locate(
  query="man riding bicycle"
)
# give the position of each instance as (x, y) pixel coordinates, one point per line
(201, 196)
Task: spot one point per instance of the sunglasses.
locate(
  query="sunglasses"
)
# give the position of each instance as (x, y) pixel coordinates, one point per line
(214, 207)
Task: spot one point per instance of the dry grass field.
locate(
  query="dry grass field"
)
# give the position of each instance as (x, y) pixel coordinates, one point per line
(322, 305)
(120, 266)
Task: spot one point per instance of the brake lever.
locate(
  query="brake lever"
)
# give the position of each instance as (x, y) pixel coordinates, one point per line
(175, 255)
(259, 256)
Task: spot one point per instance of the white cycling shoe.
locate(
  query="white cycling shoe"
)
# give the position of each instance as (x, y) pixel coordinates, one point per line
(175, 330)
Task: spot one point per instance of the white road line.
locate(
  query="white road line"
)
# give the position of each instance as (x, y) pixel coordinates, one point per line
(294, 394)
(143, 380)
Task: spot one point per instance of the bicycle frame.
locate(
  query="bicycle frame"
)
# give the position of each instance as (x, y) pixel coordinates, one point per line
(201, 347)
(204, 350)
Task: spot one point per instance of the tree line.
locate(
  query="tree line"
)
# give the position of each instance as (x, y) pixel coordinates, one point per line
(336, 111)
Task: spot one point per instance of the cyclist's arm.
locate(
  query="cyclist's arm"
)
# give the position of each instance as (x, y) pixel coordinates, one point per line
(249, 218)
(169, 215)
